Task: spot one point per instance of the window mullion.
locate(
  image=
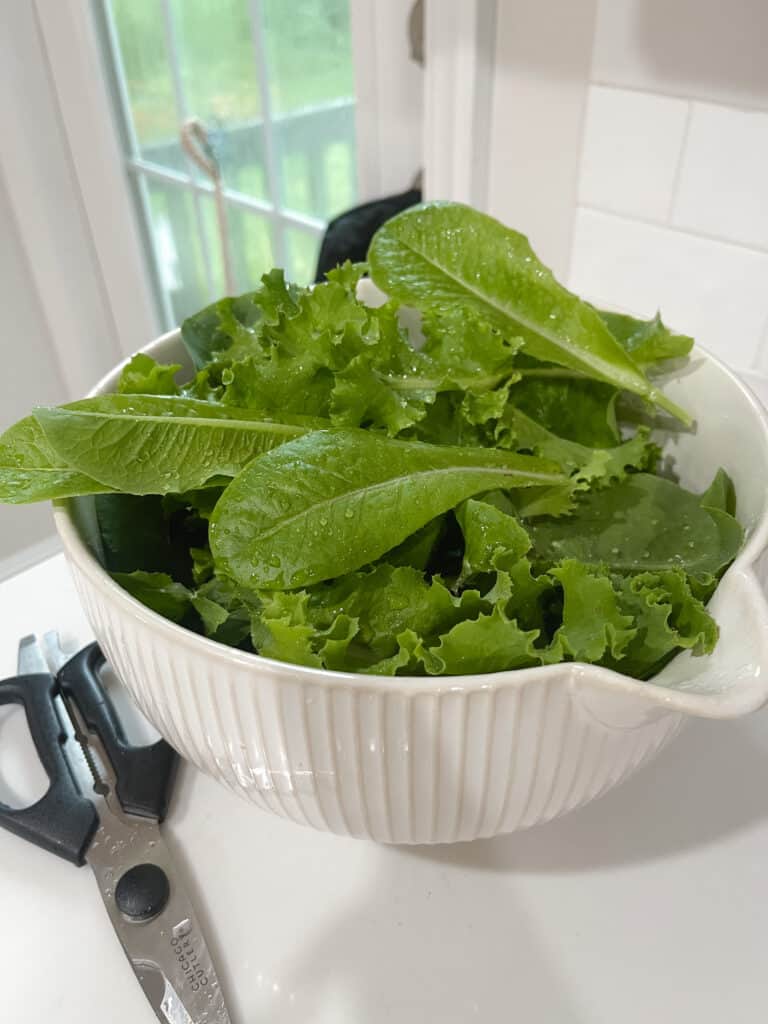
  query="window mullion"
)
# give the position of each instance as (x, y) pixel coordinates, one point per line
(119, 80)
(182, 112)
(270, 152)
(169, 317)
(144, 168)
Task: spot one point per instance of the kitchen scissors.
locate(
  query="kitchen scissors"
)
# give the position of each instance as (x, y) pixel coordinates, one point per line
(104, 806)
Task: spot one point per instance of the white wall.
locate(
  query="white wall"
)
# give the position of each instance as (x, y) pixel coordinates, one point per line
(673, 190)
(29, 374)
(63, 322)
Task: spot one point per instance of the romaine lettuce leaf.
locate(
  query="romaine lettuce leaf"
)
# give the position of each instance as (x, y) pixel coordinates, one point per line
(337, 499)
(446, 256)
(32, 470)
(144, 444)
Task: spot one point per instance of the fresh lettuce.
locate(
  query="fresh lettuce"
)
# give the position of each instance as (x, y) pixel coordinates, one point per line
(323, 493)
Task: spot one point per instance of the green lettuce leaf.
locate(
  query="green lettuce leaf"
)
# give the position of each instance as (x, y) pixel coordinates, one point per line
(143, 444)
(134, 533)
(416, 550)
(490, 643)
(226, 610)
(465, 352)
(588, 467)
(158, 591)
(363, 397)
(32, 470)
(329, 355)
(230, 325)
(280, 630)
(144, 376)
(579, 410)
(446, 255)
(667, 617)
(647, 341)
(645, 522)
(721, 494)
(371, 620)
(492, 538)
(593, 621)
(338, 499)
(446, 423)
(324, 494)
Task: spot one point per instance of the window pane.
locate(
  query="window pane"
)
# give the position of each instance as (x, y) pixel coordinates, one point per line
(204, 64)
(317, 160)
(148, 81)
(220, 81)
(178, 248)
(252, 247)
(309, 55)
(302, 248)
(213, 243)
(309, 52)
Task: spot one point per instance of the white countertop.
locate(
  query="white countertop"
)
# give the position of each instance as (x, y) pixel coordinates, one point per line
(649, 905)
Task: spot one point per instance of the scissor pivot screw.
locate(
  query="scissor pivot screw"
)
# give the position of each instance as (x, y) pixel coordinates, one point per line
(142, 892)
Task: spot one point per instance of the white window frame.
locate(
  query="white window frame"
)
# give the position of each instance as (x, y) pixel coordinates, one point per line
(389, 89)
(91, 290)
(388, 122)
(497, 84)
(82, 94)
(505, 93)
(143, 170)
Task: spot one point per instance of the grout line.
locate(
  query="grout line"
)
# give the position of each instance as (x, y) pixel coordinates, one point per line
(761, 353)
(674, 191)
(677, 229)
(746, 108)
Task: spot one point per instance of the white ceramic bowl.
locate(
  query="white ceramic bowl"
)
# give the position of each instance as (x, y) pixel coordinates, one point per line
(415, 760)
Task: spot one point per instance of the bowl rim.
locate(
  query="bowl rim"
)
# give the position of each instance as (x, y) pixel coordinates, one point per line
(715, 705)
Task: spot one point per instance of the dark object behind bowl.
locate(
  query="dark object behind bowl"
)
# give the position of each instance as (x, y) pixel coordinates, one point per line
(348, 236)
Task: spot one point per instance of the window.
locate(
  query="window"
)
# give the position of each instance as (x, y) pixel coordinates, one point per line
(272, 82)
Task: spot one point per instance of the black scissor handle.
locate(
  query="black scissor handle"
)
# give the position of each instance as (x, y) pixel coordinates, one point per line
(63, 820)
(144, 775)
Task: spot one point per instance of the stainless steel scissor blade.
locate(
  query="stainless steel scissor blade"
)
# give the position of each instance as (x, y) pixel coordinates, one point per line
(169, 954)
(149, 909)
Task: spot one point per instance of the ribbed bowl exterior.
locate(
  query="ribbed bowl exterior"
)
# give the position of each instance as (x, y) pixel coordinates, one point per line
(437, 766)
(411, 760)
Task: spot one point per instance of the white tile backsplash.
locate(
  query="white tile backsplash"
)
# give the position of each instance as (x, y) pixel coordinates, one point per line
(723, 186)
(674, 171)
(631, 151)
(698, 49)
(714, 291)
(761, 363)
